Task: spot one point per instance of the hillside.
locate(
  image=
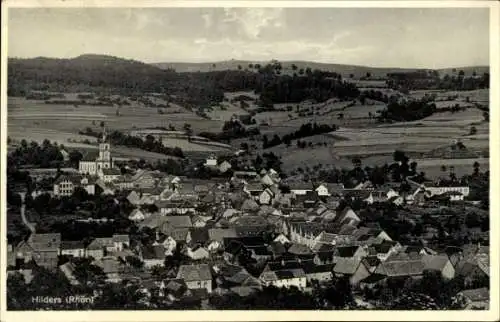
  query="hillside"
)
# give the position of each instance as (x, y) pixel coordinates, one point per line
(344, 70)
(86, 71)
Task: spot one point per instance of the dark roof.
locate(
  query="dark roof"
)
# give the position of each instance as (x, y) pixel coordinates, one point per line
(72, 244)
(248, 241)
(347, 251)
(111, 172)
(325, 256)
(199, 235)
(262, 251)
(153, 252)
(374, 278)
(312, 269)
(199, 272)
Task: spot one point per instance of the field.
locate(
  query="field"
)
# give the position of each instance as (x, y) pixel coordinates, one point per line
(36, 121)
(24, 112)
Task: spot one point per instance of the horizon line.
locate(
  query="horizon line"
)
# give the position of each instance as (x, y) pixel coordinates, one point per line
(252, 61)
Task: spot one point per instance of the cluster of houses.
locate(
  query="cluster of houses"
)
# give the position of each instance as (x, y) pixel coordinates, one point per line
(301, 245)
(292, 231)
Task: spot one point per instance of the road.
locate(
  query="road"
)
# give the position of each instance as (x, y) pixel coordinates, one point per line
(30, 226)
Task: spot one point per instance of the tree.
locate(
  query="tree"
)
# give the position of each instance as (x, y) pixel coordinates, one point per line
(368, 75)
(102, 124)
(75, 157)
(473, 130)
(239, 67)
(476, 168)
(294, 67)
(188, 130)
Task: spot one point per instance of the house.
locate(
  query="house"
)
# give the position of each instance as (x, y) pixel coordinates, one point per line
(68, 270)
(254, 189)
(65, 185)
(111, 267)
(230, 276)
(224, 166)
(134, 197)
(329, 189)
(384, 250)
(408, 268)
(439, 190)
(261, 253)
(173, 289)
(137, 215)
(153, 255)
(281, 238)
(211, 161)
(120, 242)
(43, 249)
(197, 236)
(197, 252)
(300, 188)
(249, 205)
(284, 278)
(347, 216)
(172, 207)
(475, 299)
(268, 195)
(352, 268)
(299, 249)
(355, 252)
(168, 243)
(439, 263)
(72, 248)
(266, 180)
(216, 237)
(319, 273)
(196, 276)
(109, 174)
(99, 246)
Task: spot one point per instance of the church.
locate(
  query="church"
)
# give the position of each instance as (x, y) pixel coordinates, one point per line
(92, 164)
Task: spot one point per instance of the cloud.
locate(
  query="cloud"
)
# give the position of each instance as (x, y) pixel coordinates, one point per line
(252, 21)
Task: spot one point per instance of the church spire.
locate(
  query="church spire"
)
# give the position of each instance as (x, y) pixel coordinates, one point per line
(104, 136)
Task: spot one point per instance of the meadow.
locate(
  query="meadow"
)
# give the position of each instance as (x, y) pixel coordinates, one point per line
(36, 121)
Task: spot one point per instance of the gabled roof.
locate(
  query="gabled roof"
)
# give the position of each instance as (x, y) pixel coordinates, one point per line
(347, 266)
(347, 251)
(299, 249)
(153, 252)
(72, 244)
(45, 242)
(435, 262)
(111, 172)
(191, 273)
(199, 235)
(218, 234)
(477, 295)
(401, 268)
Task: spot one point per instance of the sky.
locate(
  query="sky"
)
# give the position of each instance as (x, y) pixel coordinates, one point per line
(377, 37)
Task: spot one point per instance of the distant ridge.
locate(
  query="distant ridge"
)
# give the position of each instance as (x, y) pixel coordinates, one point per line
(344, 69)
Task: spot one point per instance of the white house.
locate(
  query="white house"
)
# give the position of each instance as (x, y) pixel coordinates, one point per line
(211, 161)
(137, 215)
(65, 185)
(441, 190)
(224, 166)
(109, 174)
(284, 278)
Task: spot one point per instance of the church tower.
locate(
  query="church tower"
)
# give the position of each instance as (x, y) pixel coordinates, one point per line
(104, 151)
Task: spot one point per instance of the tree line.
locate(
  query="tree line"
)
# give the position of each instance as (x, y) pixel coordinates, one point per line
(305, 130)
